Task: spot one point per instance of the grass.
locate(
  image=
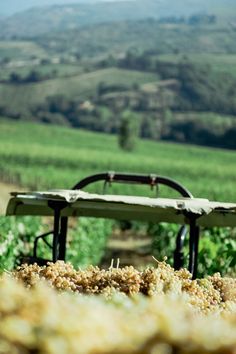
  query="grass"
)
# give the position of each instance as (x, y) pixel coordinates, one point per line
(18, 50)
(59, 70)
(220, 63)
(19, 97)
(40, 156)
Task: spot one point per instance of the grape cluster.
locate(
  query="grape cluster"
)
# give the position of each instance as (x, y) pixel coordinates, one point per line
(93, 280)
(41, 320)
(226, 286)
(204, 294)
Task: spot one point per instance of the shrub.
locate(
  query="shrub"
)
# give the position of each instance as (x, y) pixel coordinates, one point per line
(86, 241)
(217, 247)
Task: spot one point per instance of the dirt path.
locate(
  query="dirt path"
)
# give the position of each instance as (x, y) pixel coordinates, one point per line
(5, 190)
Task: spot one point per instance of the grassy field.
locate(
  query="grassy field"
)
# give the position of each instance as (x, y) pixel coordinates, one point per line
(59, 70)
(40, 156)
(20, 50)
(19, 97)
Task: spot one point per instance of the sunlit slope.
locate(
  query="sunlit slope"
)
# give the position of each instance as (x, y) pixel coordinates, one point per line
(20, 49)
(220, 63)
(23, 96)
(41, 156)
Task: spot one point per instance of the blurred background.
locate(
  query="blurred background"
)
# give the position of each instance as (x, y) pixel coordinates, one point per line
(130, 86)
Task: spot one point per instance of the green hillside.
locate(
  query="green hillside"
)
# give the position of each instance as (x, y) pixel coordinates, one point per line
(20, 50)
(41, 156)
(220, 63)
(55, 70)
(176, 74)
(147, 34)
(22, 96)
(60, 18)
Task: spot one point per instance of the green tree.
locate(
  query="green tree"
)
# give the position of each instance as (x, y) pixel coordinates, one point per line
(15, 78)
(33, 76)
(129, 130)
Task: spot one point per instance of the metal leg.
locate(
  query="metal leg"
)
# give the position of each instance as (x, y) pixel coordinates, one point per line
(193, 246)
(59, 235)
(63, 234)
(55, 251)
(178, 253)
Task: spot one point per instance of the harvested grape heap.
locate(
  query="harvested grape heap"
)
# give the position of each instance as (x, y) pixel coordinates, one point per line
(155, 311)
(205, 294)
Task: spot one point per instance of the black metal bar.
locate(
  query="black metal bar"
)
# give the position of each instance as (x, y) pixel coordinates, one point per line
(57, 214)
(193, 245)
(57, 207)
(136, 179)
(36, 242)
(178, 253)
(62, 240)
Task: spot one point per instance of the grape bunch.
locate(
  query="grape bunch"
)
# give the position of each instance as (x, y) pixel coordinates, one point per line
(40, 319)
(204, 294)
(93, 280)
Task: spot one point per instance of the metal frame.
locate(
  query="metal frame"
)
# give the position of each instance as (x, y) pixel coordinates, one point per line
(61, 223)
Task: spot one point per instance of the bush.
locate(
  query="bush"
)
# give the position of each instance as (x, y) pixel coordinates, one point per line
(217, 248)
(16, 238)
(86, 241)
(217, 251)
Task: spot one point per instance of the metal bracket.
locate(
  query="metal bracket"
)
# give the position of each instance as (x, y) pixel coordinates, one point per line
(109, 179)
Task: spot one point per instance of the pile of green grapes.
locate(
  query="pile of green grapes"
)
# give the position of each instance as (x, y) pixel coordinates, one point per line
(57, 309)
(204, 293)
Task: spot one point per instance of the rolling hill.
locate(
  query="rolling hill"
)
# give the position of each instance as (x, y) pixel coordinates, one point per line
(21, 97)
(40, 20)
(11, 7)
(107, 38)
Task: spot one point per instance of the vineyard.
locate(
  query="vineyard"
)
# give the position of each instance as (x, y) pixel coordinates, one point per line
(42, 157)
